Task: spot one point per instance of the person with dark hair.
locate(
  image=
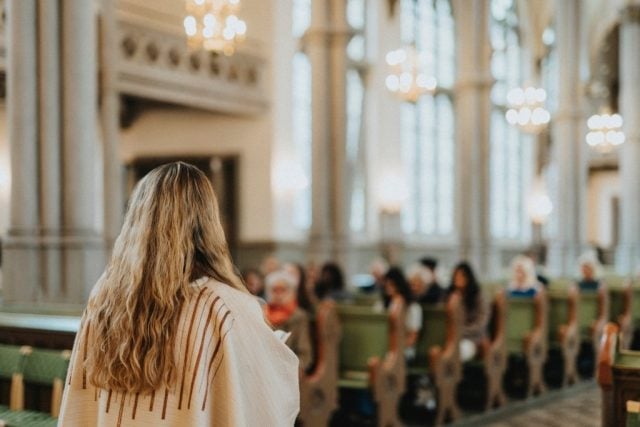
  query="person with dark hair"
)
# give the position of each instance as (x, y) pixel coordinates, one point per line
(254, 281)
(424, 282)
(397, 290)
(476, 315)
(331, 283)
(304, 298)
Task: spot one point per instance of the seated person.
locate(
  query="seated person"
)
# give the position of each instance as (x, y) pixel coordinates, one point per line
(476, 313)
(397, 291)
(377, 270)
(283, 313)
(424, 290)
(589, 272)
(254, 281)
(331, 284)
(306, 300)
(524, 282)
(431, 292)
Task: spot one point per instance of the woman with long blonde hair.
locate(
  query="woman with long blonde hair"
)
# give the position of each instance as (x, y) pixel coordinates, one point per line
(171, 336)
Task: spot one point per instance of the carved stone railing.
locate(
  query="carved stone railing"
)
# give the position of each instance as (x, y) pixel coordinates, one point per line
(159, 66)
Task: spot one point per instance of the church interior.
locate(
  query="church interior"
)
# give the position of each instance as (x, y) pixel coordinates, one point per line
(437, 198)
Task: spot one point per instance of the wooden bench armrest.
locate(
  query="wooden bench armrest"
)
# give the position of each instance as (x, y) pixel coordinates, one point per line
(606, 356)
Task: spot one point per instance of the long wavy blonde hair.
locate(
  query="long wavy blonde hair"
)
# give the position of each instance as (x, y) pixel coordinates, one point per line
(171, 236)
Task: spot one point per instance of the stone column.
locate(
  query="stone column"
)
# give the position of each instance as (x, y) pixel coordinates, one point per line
(113, 172)
(317, 49)
(473, 109)
(628, 251)
(326, 47)
(20, 256)
(50, 140)
(340, 185)
(569, 160)
(53, 251)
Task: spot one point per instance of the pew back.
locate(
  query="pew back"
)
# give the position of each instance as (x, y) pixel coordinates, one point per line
(365, 334)
(433, 333)
(521, 319)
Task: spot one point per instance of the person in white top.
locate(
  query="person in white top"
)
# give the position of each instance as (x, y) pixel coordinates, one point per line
(396, 287)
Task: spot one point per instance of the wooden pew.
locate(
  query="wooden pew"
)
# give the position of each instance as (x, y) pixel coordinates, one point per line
(319, 389)
(621, 307)
(563, 332)
(437, 355)
(527, 336)
(487, 372)
(604, 374)
(593, 316)
(618, 375)
(371, 357)
(494, 353)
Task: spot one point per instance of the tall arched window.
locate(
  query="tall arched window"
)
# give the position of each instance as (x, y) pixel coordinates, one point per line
(512, 162)
(301, 111)
(428, 126)
(355, 141)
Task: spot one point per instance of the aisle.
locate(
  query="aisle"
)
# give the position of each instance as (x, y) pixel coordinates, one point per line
(578, 406)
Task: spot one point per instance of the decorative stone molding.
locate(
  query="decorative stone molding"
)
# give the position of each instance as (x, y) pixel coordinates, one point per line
(631, 14)
(159, 66)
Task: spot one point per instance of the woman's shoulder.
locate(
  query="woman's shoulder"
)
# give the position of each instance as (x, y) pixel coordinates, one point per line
(234, 299)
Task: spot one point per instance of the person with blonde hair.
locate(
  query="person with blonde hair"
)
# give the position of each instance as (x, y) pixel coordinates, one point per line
(283, 312)
(589, 272)
(524, 282)
(170, 335)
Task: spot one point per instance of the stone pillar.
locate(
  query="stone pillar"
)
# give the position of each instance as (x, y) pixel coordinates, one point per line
(326, 47)
(340, 185)
(317, 49)
(53, 251)
(473, 109)
(569, 156)
(110, 124)
(628, 251)
(21, 270)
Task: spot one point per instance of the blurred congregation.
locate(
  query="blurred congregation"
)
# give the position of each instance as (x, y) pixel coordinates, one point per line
(437, 199)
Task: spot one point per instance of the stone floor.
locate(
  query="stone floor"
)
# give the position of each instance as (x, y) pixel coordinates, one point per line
(577, 406)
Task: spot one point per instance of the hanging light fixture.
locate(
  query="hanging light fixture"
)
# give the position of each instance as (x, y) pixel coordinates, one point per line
(408, 78)
(605, 132)
(539, 204)
(214, 25)
(527, 109)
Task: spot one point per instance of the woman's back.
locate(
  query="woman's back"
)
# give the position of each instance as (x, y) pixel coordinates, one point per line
(232, 371)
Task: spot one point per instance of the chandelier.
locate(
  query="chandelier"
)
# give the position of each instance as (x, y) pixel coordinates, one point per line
(527, 109)
(407, 78)
(214, 25)
(539, 205)
(605, 132)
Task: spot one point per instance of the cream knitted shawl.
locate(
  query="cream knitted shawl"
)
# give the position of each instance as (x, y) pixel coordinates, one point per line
(233, 371)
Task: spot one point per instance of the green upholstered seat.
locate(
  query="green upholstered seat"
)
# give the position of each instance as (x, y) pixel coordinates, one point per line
(41, 367)
(616, 286)
(633, 414)
(433, 333)
(635, 304)
(12, 360)
(521, 318)
(366, 299)
(588, 313)
(558, 313)
(365, 334)
(560, 284)
(46, 366)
